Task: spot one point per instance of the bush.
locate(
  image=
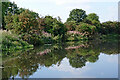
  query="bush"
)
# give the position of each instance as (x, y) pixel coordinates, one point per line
(86, 28)
(110, 27)
(75, 36)
(54, 27)
(70, 25)
(12, 42)
(26, 25)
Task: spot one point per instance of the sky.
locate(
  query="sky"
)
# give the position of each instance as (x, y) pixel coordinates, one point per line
(106, 9)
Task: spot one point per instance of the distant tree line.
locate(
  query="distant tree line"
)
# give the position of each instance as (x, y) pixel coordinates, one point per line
(33, 28)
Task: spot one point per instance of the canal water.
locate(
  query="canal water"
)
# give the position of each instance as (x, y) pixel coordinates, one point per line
(93, 59)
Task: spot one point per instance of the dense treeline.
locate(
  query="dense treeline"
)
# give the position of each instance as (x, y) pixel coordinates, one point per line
(38, 30)
(110, 27)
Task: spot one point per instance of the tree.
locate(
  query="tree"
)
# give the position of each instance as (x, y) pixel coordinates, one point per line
(92, 16)
(110, 27)
(8, 7)
(71, 25)
(54, 26)
(77, 15)
(5, 6)
(26, 25)
(93, 19)
(49, 22)
(78, 61)
(86, 28)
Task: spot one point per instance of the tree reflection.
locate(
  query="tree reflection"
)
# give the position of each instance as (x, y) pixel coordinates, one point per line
(25, 63)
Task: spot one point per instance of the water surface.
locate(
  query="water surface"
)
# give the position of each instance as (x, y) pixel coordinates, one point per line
(93, 59)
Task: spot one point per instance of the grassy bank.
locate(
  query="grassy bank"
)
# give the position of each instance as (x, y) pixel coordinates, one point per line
(9, 41)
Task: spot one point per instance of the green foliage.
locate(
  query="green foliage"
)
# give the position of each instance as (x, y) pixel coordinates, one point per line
(92, 16)
(48, 23)
(12, 42)
(8, 7)
(75, 36)
(110, 27)
(70, 25)
(5, 6)
(54, 27)
(110, 37)
(77, 15)
(26, 22)
(29, 25)
(26, 25)
(83, 31)
(77, 53)
(86, 28)
(97, 24)
(93, 19)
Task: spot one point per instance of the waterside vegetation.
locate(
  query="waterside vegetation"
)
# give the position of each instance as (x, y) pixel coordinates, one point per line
(25, 28)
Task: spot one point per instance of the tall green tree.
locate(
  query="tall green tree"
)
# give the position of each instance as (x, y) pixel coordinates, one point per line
(5, 6)
(92, 16)
(54, 26)
(93, 19)
(77, 15)
(8, 7)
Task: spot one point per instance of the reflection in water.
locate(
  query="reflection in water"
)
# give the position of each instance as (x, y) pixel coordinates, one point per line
(26, 63)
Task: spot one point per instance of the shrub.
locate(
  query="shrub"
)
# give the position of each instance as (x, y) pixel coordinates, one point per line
(86, 28)
(12, 42)
(70, 25)
(26, 25)
(75, 36)
(54, 27)
(110, 27)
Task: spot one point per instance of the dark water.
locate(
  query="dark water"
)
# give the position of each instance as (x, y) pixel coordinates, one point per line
(93, 59)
